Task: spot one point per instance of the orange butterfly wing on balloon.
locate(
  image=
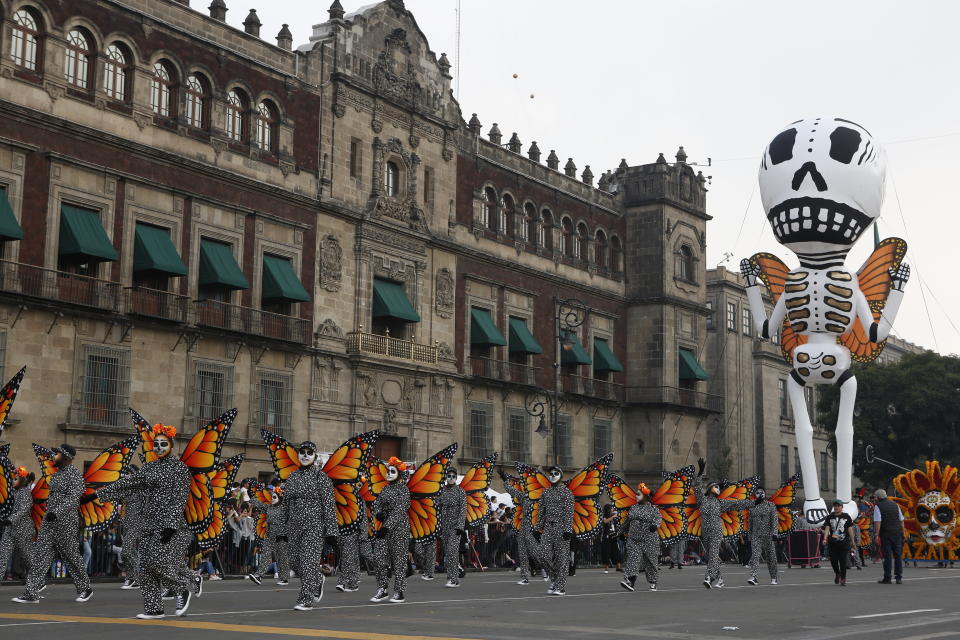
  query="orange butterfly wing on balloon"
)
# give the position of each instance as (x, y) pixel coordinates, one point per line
(203, 450)
(773, 273)
(875, 282)
(783, 500)
(586, 486)
(475, 483)
(424, 485)
(8, 394)
(282, 453)
(105, 468)
(146, 435)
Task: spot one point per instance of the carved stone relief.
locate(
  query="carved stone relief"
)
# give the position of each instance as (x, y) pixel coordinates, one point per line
(444, 293)
(331, 263)
(368, 388)
(329, 329)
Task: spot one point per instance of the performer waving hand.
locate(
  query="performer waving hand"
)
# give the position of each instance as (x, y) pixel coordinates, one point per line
(711, 508)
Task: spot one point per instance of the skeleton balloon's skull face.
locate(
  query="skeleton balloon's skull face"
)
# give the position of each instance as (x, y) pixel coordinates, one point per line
(936, 516)
(822, 184)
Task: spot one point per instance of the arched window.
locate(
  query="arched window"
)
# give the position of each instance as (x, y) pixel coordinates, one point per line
(25, 40)
(267, 126)
(528, 228)
(79, 52)
(116, 72)
(546, 229)
(489, 215)
(163, 95)
(508, 216)
(236, 115)
(566, 241)
(392, 179)
(685, 268)
(581, 250)
(196, 101)
(616, 255)
(600, 249)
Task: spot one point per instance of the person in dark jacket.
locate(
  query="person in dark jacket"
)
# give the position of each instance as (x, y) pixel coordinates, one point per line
(838, 529)
(888, 525)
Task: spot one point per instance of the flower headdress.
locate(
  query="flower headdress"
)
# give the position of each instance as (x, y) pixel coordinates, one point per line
(400, 465)
(164, 430)
(22, 472)
(643, 488)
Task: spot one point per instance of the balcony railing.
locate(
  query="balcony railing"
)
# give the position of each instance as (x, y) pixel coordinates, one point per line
(591, 387)
(231, 317)
(360, 342)
(505, 371)
(49, 284)
(676, 396)
(154, 303)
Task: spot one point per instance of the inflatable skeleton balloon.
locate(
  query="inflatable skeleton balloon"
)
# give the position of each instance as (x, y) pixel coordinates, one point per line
(822, 185)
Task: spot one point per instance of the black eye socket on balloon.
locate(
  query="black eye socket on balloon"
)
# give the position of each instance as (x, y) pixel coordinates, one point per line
(781, 148)
(923, 515)
(844, 143)
(944, 514)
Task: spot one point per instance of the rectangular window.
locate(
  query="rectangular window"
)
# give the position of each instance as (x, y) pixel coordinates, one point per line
(481, 433)
(824, 471)
(106, 386)
(784, 463)
(428, 187)
(745, 313)
(784, 401)
(602, 438)
(518, 435)
(709, 314)
(213, 390)
(731, 316)
(275, 401)
(563, 442)
(356, 158)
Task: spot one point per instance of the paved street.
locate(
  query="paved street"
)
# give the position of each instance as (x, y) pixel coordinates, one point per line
(806, 605)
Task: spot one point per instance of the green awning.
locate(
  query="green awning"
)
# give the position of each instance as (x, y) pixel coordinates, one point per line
(280, 282)
(153, 251)
(9, 227)
(390, 301)
(218, 267)
(576, 354)
(603, 358)
(690, 369)
(82, 236)
(483, 330)
(521, 340)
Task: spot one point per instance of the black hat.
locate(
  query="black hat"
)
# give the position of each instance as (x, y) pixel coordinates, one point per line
(67, 450)
(307, 444)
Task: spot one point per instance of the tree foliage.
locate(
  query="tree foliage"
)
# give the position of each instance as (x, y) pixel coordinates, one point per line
(908, 410)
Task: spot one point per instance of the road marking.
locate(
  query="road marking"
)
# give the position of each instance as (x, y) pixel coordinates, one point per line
(217, 626)
(26, 624)
(894, 613)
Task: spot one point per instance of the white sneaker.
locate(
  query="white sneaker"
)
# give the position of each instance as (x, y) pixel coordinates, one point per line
(606, 571)
(773, 581)
(83, 597)
(653, 586)
(216, 578)
(426, 577)
(452, 584)
(341, 588)
(524, 581)
(718, 584)
(349, 590)
(558, 592)
(752, 580)
(706, 583)
(150, 616)
(303, 607)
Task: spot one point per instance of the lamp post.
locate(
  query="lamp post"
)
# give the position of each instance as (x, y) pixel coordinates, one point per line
(545, 403)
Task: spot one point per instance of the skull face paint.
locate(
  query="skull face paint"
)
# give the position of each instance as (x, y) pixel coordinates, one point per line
(392, 473)
(822, 183)
(451, 478)
(936, 517)
(274, 498)
(162, 446)
(554, 475)
(306, 457)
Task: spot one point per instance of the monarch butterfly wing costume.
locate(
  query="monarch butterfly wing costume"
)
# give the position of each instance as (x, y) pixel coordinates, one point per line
(783, 501)
(7, 395)
(7, 478)
(282, 454)
(773, 273)
(371, 487)
(222, 476)
(97, 515)
(261, 494)
(343, 468)
(533, 483)
(475, 483)
(517, 485)
(146, 436)
(587, 486)
(863, 523)
(214, 531)
(201, 456)
(622, 495)
(736, 522)
(424, 485)
(41, 490)
(669, 498)
(875, 282)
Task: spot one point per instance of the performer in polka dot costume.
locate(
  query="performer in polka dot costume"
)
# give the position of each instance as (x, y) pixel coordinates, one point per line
(18, 528)
(393, 537)
(643, 541)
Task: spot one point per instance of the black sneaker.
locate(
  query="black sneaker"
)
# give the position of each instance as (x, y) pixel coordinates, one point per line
(884, 581)
(282, 583)
(899, 580)
(627, 584)
(83, 597)
(379, 596)
(254, 578)
(183, 602)
(198, 585)
(462, 572)
(398, 598)
(318, 596)
(167, 594)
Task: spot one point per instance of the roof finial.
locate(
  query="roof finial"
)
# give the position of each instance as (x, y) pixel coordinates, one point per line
(336, 11)
(252, 23)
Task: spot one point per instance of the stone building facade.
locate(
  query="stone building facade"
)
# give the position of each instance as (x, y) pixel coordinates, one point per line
(200, 219)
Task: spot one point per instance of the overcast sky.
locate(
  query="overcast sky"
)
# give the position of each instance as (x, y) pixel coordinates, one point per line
(599, 81)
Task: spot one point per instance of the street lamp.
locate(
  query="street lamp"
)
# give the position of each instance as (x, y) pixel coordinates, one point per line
(544, 403)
